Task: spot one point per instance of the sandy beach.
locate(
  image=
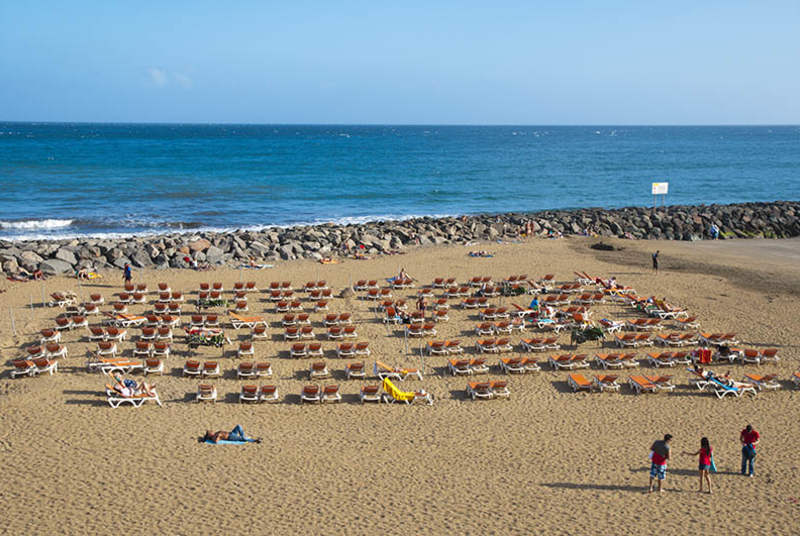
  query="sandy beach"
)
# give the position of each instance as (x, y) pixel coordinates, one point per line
(546, 460)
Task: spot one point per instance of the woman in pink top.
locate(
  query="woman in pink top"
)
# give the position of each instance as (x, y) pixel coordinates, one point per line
(704, 462)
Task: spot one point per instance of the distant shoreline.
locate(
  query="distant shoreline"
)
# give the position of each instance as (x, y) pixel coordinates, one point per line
(779, 219)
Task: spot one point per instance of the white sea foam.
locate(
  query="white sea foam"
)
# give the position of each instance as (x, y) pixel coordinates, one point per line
(35, 224)
(165, 230)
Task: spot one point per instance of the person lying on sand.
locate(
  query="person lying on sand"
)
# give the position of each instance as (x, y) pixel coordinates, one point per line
(237, 434)
(24, 275)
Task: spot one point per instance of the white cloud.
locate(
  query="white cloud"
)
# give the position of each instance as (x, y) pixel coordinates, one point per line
(163, 78)
(184, 81)
(157, 76)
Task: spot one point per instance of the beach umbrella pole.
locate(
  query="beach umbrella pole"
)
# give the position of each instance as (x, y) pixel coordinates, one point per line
(13, 325)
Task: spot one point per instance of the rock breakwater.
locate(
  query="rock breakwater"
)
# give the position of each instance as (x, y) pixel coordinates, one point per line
(780, 219)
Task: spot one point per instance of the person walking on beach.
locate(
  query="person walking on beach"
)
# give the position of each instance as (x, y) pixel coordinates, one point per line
(421, 304)
(659, 454)
(126, 273)
(704, 462)
(655, 260)
(749, 439)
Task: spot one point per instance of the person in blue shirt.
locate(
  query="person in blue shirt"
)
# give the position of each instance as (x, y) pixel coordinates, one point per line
(534, 304)
(126, 273)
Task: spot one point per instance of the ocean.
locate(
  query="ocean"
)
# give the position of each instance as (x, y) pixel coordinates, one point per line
(64, 180)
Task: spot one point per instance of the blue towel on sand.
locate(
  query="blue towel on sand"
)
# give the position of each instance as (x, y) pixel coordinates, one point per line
(226, 442)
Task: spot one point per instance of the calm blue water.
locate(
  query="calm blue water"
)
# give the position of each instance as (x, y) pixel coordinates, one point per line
(68, 179)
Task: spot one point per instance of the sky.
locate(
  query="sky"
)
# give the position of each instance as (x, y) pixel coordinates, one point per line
(375, 62)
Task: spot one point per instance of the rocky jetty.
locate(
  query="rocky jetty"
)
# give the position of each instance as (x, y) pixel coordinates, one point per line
(780, 219)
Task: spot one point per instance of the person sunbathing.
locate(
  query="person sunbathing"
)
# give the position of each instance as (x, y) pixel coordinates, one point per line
(237, 434)
(705, 374)
(403, 275)
(128, 388)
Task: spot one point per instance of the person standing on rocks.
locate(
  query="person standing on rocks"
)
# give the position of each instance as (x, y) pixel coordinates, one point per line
(655, 260)
(126, 273)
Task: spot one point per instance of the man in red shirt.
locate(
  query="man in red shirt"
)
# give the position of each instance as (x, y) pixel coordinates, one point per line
(659, 454)
(749, 439)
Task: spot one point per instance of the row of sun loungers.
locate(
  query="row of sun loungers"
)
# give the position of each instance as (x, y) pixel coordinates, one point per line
(315, 393)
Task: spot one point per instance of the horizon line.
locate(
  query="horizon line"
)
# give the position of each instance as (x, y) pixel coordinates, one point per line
(210, 123)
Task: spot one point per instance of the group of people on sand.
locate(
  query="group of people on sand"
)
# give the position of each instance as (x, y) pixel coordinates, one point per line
(660, 455)
(24, 275)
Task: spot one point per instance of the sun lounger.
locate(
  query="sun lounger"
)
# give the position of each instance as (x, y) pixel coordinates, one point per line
(107, 348)
(355, 369)
(307, 332)
(369, 393)
(311, 393)
(512, 365)
(415, 330)
(454, 347)
(579, 382)
(383, 371)
(769, 354)
(249, 393)
(437, 348)
(459, 366)
(482, 390)
(118, 365)
(701, 381)
(663, 383)
(345, 349)
(268, 393)
(63, 299)
(53, 350)
(192, 367)
(503, 345)
(768, 381)
(606, 382)
(487, 346)
(116, 400)
(153, 365)
(568, 361)
(530, 364)
(23, 367)
(478, 365)
(211, 368)
(686, 323)
(318, 369)
(662, 359)
(721, 389)
(49, 335)
(239, 321)
(125, 320)
(534, 345)
(206, 393)
(608, 361)
(392, 394)
(640, 384)
(330, 393)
